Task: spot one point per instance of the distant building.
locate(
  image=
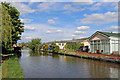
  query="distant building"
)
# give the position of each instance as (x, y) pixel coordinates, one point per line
(104, 42)
(85, 41)
(61, 44)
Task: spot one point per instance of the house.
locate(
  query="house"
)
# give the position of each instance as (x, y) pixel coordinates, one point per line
(61, 44)
(85, 41)
(104, 42)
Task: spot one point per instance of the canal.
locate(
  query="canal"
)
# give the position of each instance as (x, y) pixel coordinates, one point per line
(60, 66)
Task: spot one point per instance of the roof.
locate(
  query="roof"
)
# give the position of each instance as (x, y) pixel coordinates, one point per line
(109, 34)
(70, 41)
(106, 34)
(82, 39)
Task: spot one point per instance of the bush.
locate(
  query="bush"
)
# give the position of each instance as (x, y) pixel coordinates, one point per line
(55, 48)
(34, 45)
(73, 46)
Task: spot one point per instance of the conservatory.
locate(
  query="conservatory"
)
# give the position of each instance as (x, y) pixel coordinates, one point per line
(105, 43)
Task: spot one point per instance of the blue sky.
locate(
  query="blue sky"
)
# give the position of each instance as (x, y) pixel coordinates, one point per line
(52, 21)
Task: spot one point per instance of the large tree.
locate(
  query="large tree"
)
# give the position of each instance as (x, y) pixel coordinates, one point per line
(6, 29)
(17, 25)
(12, 27)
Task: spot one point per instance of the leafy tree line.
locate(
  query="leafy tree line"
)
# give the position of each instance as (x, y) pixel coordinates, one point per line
(37, 45)
(73, 46)
(11, 26)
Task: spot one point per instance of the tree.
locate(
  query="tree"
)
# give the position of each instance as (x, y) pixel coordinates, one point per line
(55, 48)
(6, 30)
(34, 44)
(11, 26)
(73, 46)
(17, 25)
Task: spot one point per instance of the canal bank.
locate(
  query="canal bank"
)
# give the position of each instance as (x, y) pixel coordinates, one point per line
(12, 69)
(94, 56)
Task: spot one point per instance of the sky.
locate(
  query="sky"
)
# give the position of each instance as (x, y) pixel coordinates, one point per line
(52, 21)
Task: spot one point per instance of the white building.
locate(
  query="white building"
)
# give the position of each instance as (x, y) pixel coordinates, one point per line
(104, 42)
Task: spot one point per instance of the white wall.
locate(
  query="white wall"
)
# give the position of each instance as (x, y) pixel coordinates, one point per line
(61, 45)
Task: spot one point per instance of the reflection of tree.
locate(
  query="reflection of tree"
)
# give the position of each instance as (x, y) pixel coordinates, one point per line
(101, 69)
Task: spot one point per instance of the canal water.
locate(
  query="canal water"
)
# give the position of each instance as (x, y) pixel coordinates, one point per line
(60, 66)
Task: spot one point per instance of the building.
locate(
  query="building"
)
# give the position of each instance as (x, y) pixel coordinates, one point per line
(61, 44)
(85, 41)
(104, 42)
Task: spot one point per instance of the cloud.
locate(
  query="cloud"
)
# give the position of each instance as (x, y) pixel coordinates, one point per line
(83, 3)
(105, 18)
(74, 35)
(48, 32)
(80, 32)
(55, 18)
(100, 5)
(26, 27)
(112, 28)
(26, 20)
(58, 30)
(110, 0)
(70, 7)
(23, 8)
(51, 21)
(45, 6)
(54, 30)
(28, 37)
(83, 27)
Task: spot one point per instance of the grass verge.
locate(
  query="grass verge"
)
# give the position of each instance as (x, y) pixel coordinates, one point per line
(12, 69)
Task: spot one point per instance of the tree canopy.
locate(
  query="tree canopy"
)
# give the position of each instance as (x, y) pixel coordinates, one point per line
(35, 44)
(11, 26)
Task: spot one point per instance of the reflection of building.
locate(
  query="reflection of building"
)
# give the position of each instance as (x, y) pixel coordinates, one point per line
(104, 42)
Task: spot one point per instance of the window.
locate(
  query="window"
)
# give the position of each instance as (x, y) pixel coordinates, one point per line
(62, 44)
(59, 43)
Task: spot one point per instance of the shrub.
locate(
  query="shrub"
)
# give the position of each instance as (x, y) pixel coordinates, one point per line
(73, 46)
(55, 48)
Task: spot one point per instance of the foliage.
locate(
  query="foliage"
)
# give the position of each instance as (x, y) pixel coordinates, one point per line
(17, 25)
(6, 30)
(24, 44)
(12, 27)
(73, 46)
(45, 48)
(62, 51)
(35, 44)
(55, 48)
(12, 69)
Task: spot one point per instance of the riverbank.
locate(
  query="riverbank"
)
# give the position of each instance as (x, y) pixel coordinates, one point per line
(12, 69)
(93, 56)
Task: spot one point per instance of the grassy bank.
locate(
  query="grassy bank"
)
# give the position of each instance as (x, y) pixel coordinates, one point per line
(68, 51)
(12, 69)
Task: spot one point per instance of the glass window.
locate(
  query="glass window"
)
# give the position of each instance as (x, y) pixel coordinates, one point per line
(59, 44)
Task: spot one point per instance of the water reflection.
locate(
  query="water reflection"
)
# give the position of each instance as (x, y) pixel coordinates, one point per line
(39, 65)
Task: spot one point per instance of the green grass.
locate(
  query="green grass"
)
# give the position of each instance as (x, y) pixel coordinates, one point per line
(70, 51)
(62, 51)
(0, 72)
(12, 69)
